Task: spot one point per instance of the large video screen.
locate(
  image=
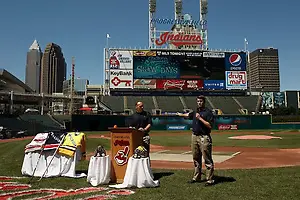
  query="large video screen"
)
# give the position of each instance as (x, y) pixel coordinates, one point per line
(178, 65)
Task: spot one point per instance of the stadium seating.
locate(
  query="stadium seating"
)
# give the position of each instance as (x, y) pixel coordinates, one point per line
(61, 118)
(226, 104)
(249, 102)
(192, 104)
(116, 103)
(30, 125)
(147, 100)
(169, 103)
(44, 120)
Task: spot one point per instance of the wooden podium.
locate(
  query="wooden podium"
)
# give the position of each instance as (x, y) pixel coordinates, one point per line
(123, 143)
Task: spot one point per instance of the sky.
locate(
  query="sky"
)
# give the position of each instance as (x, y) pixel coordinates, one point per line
(80, 28)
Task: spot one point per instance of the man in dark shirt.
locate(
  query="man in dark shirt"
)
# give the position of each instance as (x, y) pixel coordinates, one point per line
(142, 121)
(201, 140)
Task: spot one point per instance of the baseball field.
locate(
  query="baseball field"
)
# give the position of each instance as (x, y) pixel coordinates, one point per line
(256, 165)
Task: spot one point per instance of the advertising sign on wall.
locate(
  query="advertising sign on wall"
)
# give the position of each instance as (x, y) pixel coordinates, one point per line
(144, 84)
(279, 99)
(179, 84)
(227, 127)
(267, 100)
(236, 80)
(120, 59)
(235, 61)
(177, 127)
(121, 79)
(214, 85)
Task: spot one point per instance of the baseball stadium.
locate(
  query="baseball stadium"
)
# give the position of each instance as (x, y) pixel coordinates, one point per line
(89, 150)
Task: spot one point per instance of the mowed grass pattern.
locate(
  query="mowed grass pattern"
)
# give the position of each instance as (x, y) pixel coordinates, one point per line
(182, 139)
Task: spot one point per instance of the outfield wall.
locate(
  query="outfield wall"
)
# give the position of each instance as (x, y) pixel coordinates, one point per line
(222, 122)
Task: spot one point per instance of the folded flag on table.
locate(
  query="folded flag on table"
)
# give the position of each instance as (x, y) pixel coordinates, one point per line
(46, 141)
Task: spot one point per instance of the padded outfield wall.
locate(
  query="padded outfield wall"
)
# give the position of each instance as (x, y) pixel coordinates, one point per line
(222, 122)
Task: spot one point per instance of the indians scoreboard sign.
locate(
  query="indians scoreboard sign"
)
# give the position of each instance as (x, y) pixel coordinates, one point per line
(236, 80)
(121, 79)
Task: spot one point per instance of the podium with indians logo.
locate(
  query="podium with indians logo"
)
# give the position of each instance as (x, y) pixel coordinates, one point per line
(123, 143)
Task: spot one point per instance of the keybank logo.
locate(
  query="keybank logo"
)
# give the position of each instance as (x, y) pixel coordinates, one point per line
(121, 73)
(179, 21)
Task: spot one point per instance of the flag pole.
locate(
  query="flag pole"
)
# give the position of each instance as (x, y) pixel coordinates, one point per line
(107, 37)
(106, 66)
(245, 45)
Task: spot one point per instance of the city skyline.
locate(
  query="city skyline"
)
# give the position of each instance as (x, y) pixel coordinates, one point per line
(81, 29)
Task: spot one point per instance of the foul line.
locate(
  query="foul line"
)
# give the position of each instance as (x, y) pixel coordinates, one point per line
(236, 153)
(161, 151)
(187, 152)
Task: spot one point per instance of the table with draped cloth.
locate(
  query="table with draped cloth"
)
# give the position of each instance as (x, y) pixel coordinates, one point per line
(138, 174)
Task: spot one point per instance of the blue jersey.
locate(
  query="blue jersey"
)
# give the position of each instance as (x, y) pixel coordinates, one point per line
(198, 127)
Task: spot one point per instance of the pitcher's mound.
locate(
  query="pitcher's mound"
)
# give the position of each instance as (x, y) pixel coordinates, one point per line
(255, 137)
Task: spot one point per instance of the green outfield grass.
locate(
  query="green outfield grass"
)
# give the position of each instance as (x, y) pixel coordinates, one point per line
(287, 141)
(277, 183)
(183, 138)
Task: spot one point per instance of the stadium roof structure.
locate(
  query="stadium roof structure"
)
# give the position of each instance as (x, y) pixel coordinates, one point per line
(7, 76)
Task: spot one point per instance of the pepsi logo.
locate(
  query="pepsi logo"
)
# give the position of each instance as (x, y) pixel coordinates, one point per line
(235, 59)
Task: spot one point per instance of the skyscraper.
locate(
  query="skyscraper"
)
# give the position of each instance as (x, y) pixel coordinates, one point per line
(264, 70)
(33, 67)
(54, 69)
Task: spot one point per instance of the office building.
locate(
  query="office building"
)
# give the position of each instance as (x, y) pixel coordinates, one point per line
(79, 86)
(263, 70)
(33, 67)
(53, 70)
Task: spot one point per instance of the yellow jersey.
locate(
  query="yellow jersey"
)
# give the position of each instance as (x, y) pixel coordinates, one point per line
(72, 141)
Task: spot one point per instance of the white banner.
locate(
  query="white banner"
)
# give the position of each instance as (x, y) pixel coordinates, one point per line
(120, 59)
(236, 80)
(121, 79)
(213, 54)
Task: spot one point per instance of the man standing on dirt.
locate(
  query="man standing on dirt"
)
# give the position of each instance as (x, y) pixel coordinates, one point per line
(201, 140)
(142, 121)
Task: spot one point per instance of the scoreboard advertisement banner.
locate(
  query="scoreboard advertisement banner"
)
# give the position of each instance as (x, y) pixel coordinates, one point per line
(179, 84)
(120, 59)
(173, 70)
(144, 84)
(214, 85)
(121, 79)
(235, 61)
(236, 80)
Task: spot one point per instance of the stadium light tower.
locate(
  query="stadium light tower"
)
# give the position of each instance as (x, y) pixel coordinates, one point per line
(203, 22)
(152, 25)
(178, 9)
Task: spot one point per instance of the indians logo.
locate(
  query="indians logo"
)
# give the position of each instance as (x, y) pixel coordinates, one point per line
(14, 189)
(113, 61)
(235, 59)
(121, 157)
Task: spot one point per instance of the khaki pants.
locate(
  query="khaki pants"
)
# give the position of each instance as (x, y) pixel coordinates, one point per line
(202, 146)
